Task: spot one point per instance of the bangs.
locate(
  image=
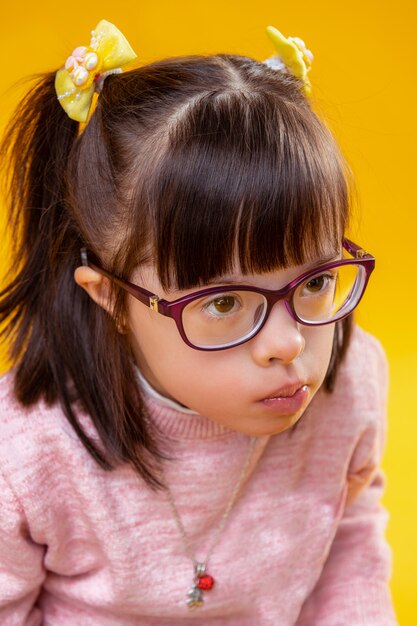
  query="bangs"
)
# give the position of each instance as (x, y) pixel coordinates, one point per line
(244, 184)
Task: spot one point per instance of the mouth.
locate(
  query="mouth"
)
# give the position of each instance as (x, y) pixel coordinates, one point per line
(288, 399)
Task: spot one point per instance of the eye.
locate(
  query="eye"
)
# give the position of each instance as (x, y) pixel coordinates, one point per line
(317, 283)
(222, 304)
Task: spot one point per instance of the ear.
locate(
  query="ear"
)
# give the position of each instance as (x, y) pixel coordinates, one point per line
(96, 285)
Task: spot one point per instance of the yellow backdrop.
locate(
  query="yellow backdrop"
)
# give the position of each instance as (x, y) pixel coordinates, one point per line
(364, 84)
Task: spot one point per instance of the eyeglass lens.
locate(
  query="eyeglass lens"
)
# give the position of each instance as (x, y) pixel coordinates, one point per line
(230, 316)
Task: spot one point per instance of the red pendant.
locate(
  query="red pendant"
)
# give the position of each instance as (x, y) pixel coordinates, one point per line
(205, 582)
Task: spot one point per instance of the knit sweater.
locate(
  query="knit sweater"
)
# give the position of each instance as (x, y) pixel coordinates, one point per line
(304, 544)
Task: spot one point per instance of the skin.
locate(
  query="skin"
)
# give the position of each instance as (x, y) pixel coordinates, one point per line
(228, 386)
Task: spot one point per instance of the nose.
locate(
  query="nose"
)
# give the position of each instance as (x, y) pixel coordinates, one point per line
(279, 339)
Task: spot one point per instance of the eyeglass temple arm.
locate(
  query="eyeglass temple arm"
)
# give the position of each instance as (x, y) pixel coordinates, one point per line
(355, 250)
(145, 296)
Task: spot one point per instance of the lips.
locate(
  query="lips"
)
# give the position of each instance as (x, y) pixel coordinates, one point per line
(285, 392)
(287, 400)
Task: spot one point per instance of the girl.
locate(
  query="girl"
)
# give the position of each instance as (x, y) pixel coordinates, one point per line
(191, 420)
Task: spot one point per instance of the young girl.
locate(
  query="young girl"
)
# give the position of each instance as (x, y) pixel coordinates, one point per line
(192, 427)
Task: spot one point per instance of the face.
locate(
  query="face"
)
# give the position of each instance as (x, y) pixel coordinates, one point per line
(261, 387)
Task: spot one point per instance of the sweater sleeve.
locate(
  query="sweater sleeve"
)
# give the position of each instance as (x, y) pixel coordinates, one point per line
(21, 564)
(353, 587)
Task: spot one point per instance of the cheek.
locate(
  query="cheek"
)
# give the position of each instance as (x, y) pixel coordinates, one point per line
(165, 360)
(154, 338)
(192, 377)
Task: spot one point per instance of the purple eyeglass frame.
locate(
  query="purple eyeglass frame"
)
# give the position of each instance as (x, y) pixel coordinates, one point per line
(174, 308)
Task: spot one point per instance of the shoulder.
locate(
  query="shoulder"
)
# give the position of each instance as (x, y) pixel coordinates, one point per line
(38, 438)
(13, 414)
(363, 375)
(357, 405)
(41, 418)
(347, 427)
(364, 383)
(366, 349)
(22, 429)
(360, 396)
(6, 388)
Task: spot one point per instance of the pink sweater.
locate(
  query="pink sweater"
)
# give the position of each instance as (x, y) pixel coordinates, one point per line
(304, 544)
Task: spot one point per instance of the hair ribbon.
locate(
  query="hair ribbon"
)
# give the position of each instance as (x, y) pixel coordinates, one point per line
(292, 55)
(87, 67)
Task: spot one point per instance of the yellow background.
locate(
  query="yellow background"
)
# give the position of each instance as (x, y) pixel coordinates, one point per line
(364, 83)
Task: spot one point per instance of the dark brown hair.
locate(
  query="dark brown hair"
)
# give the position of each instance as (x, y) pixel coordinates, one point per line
(191, 162)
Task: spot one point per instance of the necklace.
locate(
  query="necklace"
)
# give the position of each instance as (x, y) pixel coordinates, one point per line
(202, 580)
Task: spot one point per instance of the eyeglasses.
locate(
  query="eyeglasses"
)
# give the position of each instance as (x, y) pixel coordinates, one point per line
(217, 318)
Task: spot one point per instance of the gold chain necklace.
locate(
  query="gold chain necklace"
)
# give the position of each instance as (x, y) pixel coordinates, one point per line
(202, 580)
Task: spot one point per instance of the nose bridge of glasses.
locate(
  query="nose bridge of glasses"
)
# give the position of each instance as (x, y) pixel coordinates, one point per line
(282, 298)
(277, 295)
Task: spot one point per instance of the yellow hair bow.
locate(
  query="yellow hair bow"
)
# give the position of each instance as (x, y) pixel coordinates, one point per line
(87, 67)
(292, 54)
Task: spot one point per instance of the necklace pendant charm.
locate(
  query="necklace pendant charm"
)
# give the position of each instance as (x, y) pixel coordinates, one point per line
(202, 582)
(195, 597)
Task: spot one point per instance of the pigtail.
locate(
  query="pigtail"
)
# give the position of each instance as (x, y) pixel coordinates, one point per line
(63, 346)
(35, 151)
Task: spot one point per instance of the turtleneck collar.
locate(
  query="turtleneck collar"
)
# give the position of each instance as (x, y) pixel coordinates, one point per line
(151, 392)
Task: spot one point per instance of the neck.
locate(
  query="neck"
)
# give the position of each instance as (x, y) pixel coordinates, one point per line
(150, 391)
